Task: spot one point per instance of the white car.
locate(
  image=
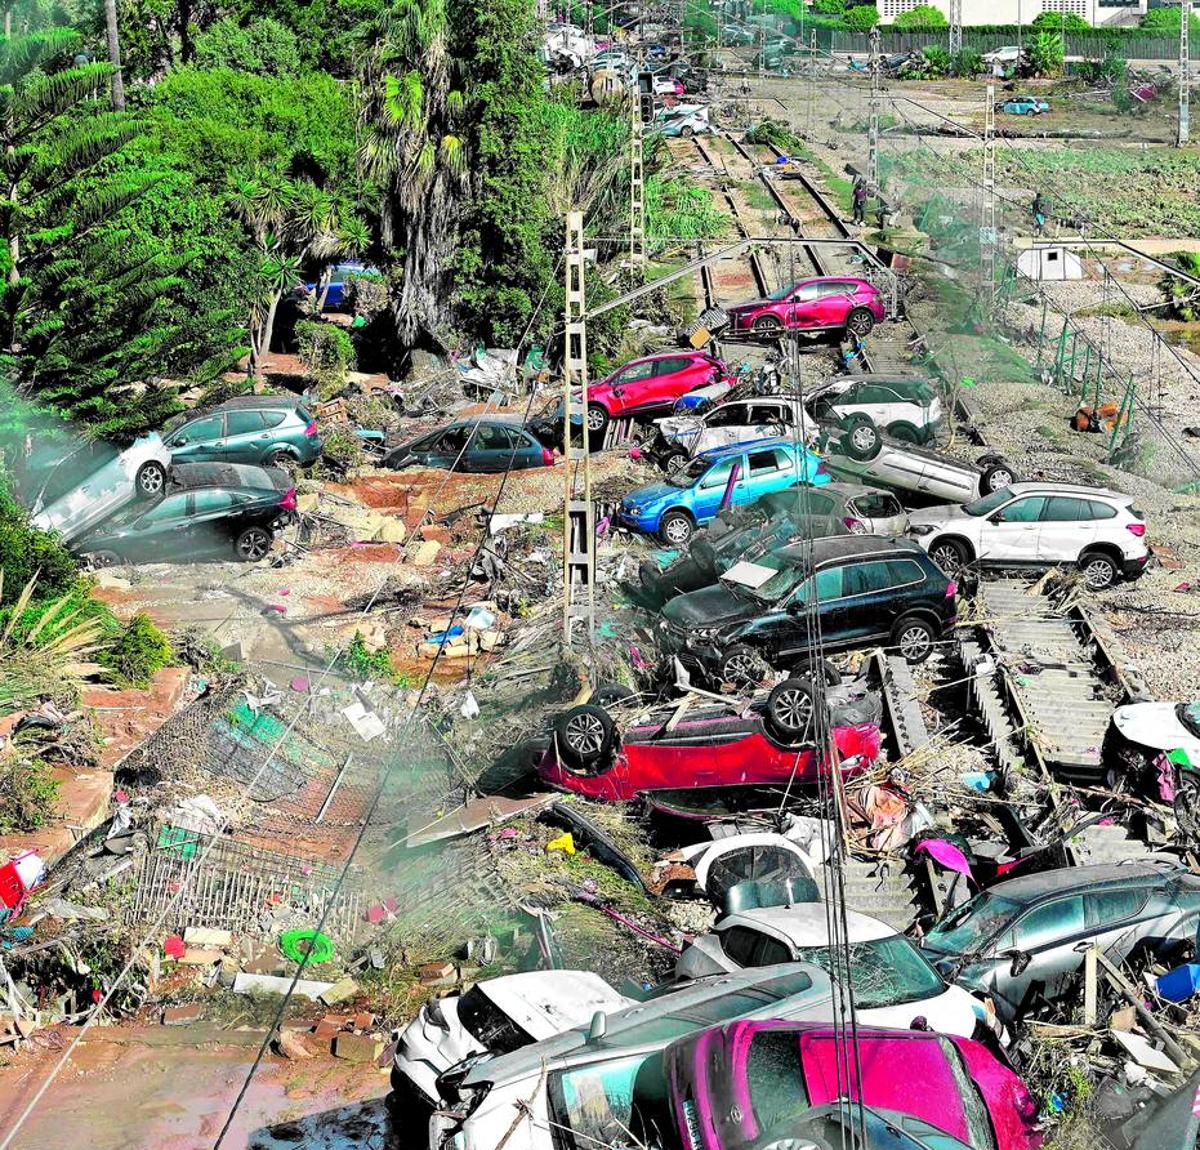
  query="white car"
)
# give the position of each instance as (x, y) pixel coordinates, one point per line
(499, 1015)
(908, 409)
(893, 983)
(681, 437)
(1162, 727)
(536, 1097)
(755, 856)
(667, 86)
(95, 481)
(1008, 54)
(1039, 525)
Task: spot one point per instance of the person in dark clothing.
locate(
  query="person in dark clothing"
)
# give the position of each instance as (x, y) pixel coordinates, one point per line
(1039, 212)
(858, 197)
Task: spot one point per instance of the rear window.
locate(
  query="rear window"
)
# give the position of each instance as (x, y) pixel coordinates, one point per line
(1104, 510)
(275, 418)
(243, 422)
(488, 1024)
(775, 1078)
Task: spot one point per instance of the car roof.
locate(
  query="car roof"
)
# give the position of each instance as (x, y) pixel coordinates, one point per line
(1048, 487)
(748, 445)
(254, 402)
(766, 985)
(1030, 888)
(835, 548)
(807, 923)
(507, 420)
(546, 1002)
(832, 279)
(190, 476)
(683, 352)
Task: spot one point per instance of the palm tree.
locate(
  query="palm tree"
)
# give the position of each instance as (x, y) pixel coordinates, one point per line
(413, 113)
(114, 55)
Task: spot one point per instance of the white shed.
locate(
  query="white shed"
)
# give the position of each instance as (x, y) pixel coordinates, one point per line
(1050, 262)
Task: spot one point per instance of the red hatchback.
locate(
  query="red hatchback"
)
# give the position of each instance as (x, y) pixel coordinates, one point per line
(828, 303)
(652, 383)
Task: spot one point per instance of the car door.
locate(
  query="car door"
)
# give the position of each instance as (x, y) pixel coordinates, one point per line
(722, 426)
(1047, 934)
(880, 512)
(772, 469)
(634, 386)
(1009, 536)
(163, 533)
(1067, 529)
(803, 308)
(198, 441)
(710, 488)
(1114, 919)
(246, 438)
(211, 521)
(820, 594)
(767, 419)
(868, 606)
(833, 304)
(672, 378)
(492, 448)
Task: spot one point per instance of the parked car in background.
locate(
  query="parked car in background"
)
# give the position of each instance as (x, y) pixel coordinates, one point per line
(1022, 941)
(474, 445)
(713, 745)
(909, 409)
(1039, 525)
(269, 430)
(498, 1016)
(753, 1084)
(917, 469)
(693, 495)
(536, 1098)
(826, 303)
(843, 593)
(208, 510)
(1024, 106)
(1009, 54)
(340, 276)
(667, 86)
(83, 485)
(680, 437)
(892, 981)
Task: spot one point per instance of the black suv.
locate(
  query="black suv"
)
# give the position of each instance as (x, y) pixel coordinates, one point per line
(866, 590)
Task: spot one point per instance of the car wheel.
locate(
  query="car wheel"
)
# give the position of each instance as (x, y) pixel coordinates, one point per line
(742, 666)
(280, 458)
(914, 637)
(606, 694)
(674, 461)
(597, 419)
(101, 559)
(950, 555)
(253, 544)
(1187, 805)
(861, 439)
(686, 132)
(585, 736)
(860, 322)
(904, 433)
(767, 325)
(996, 477)
(150, 480)
(676, 528)
(790, 712)
(1099, 570)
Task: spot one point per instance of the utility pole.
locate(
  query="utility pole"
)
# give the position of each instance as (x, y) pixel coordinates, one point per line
(987, 223)
(955, 27)
(579, 527)
(637, 192)
(1185, 74)
(873, 121)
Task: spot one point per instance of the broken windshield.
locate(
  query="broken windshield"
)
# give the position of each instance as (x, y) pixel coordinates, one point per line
(966, 928)
(883, 971)
(687, 476)
(787, 577)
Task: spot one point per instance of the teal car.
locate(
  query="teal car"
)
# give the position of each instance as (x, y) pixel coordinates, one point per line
(694, 494)
(265, 430)
(1024, 106)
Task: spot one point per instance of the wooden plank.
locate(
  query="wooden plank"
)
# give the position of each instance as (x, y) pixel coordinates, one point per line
(1089, 987)
(1180, 1056)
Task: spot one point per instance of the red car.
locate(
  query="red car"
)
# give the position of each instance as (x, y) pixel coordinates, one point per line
(714, 746)
(828, 303)
(652, 383)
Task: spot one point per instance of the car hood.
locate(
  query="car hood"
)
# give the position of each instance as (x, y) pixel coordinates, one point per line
(710, 607)
(1155, 725)
(677, 427)
(651, 493)
(936, 516)
(750, 305)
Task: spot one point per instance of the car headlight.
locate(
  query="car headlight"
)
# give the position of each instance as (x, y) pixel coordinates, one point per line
(921, 529)
(703, 632)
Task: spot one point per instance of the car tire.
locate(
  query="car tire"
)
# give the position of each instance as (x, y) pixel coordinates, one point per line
(914, 638)
(685, 132)
(767, 325)
(1099, 569)
(861, 439)
(280, 457)
(676, 529)
(904, 432)
(252, 544)
(674, 460)
(597, 419)
(860, 322)
(742, 666)
(951, 555)
(995, 477)
(791, 710)
(101, 559)
(606, 694)
(585, 736)
(150, 480)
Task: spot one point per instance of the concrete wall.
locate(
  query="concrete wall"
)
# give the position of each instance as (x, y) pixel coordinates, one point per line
(1021, 11)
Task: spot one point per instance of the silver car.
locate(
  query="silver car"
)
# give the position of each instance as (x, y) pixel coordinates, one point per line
(681, 437)
(1023, 941)
(96, 480)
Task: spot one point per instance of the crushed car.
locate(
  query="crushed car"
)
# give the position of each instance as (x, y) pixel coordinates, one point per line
(483, 445)
(679, 438)
(908, 408)
(1157, 746)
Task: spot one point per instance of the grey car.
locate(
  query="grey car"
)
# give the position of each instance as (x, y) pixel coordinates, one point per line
(1023, 941)
(264, 430)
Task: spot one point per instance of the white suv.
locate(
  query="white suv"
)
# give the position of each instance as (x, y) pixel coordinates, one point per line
(1039, 525)
(907, 409)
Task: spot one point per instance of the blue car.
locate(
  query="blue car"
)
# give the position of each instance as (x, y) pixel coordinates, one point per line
(1025, 106)
(339, 277)
(692, 497)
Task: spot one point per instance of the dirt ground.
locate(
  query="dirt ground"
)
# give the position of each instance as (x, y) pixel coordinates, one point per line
(186, 1081)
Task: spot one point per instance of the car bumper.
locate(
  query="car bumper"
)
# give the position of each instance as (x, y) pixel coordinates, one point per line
(1133, 568)
(647, 524)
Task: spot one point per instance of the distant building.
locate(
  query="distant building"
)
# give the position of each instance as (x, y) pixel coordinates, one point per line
(1095, 12)
(1050, 262)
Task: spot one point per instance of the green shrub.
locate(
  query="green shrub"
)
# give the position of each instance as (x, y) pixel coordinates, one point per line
(327, 351)
(25, 550)
(28, 794)
(861, 19)
(139, 652)
(967, 63)
(363, 664)
(1064, 22)
(343, 452)
(922, 16)
(366, 295)
(829, 7)
(264, 46)
(1045, 53)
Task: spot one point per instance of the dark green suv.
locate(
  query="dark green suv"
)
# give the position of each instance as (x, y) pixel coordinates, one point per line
(266, 430)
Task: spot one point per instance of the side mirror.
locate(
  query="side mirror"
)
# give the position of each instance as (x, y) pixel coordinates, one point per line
(599, 1026)
(1020, 962)
(180, 442)
(618, 391)
(996, 517)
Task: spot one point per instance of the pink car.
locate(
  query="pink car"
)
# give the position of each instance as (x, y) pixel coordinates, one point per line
(650, 384)
(828, 303)
(750, 1084)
